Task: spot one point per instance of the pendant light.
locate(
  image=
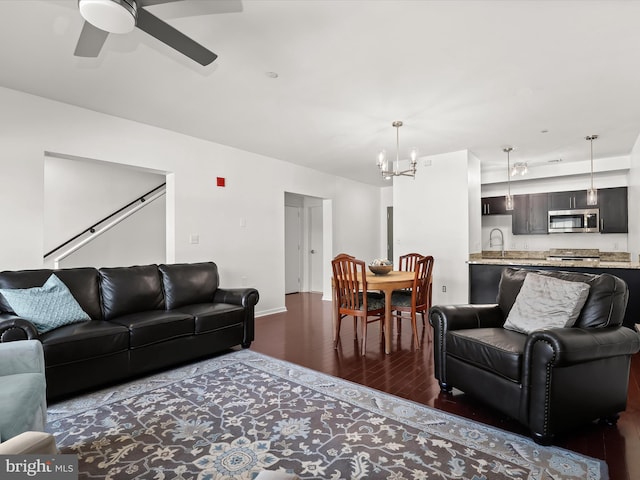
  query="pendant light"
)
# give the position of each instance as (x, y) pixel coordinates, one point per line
(508, 198)
(592, 193)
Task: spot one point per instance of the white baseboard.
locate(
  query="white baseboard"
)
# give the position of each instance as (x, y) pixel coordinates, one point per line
(271, 311)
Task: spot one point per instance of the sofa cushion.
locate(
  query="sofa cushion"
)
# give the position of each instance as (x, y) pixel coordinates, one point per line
(546, 302)
(605, 305)
(128, 290)
(47, 307)
(82, 341)
(492, 349)
(82, 282)
(213, 316)
(146, 328)
(186, 284)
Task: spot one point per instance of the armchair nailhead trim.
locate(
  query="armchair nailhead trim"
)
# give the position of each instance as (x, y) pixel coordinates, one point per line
(547, 389)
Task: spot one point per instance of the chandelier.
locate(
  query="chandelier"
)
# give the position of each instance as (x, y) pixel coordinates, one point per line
(592, 193)
(392, 169)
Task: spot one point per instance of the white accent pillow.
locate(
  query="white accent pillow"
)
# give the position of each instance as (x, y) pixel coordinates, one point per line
(546, 302)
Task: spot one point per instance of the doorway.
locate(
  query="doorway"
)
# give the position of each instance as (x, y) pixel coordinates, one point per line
(304, 243)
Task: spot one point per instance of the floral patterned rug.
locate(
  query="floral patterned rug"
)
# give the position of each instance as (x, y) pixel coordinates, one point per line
(237, 414)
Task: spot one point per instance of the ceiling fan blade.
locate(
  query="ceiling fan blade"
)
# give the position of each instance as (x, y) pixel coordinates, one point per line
(147, 3)
(90, 41)
(192, 8)
(177, 40)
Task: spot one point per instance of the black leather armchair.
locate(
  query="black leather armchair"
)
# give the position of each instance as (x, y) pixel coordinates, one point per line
(550, 380)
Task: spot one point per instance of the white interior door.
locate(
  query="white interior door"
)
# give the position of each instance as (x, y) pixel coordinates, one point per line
(315, 251)
(292, 242)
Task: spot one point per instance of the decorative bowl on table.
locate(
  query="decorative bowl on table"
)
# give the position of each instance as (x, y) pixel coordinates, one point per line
(380, 267)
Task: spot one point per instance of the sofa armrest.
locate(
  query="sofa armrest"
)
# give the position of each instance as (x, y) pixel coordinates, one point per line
(458, 317)
(578, 345)
(445, 318)
(24, 356)
(559, 367)
(247, 297)
(14, 328)
(30, 443)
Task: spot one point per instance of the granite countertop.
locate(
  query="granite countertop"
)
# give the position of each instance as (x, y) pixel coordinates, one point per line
(511, 257)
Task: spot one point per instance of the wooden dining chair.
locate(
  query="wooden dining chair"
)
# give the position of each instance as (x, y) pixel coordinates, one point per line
(419, 300)
(407, 262)
(352, 298)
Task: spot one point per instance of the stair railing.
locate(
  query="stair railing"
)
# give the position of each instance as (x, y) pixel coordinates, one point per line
(105, 224)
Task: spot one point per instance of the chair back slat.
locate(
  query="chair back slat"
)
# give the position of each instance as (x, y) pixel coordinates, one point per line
(422, 281)
(407, 263)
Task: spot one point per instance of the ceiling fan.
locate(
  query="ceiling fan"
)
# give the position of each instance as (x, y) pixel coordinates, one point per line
(121, 16)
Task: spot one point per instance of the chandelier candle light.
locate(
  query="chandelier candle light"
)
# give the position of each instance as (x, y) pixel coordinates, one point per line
(508, 198)
(383, 163)
(592, 193)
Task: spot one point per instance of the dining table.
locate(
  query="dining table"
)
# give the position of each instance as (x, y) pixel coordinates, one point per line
(387, 283)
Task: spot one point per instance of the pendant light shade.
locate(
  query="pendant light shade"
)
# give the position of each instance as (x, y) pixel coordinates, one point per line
(508, 197)
(592, 193)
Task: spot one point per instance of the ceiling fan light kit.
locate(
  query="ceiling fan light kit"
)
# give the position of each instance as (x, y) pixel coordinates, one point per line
(122, 16)
(113, 16)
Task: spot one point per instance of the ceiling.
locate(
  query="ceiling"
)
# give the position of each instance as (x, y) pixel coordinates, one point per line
(472, 74)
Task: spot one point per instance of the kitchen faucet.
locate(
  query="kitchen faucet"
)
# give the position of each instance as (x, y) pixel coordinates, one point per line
(501, 244)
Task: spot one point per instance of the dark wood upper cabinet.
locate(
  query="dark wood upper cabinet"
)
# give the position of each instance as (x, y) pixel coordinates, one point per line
(530, 214)
(494, 205)
(569, 200)
(613, 203)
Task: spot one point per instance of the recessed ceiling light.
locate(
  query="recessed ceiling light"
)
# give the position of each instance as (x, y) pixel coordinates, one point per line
(272, 74)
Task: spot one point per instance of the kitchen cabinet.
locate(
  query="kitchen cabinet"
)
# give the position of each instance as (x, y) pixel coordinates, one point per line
(494, 205)
(530, 214)
(614, 207)
(569, 200)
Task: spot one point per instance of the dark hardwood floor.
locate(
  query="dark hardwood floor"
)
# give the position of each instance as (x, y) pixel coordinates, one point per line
(302, 336)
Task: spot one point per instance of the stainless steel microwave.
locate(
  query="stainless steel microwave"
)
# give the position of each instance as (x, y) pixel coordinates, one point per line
(579, 220)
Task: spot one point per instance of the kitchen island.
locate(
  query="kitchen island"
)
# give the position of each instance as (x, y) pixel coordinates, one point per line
(484, 277)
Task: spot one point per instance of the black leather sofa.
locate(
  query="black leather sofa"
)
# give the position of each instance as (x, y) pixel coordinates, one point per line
(549, 380)
(143, 318)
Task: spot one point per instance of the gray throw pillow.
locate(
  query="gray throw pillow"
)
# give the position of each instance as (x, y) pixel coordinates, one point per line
(546, 302)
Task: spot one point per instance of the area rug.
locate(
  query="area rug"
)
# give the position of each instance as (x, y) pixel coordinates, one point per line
(237, 414)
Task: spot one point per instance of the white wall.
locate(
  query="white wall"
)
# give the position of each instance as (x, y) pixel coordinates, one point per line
(431, 216)
(475, 204)
(634, 203)
(241, 226)
(386, 200)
